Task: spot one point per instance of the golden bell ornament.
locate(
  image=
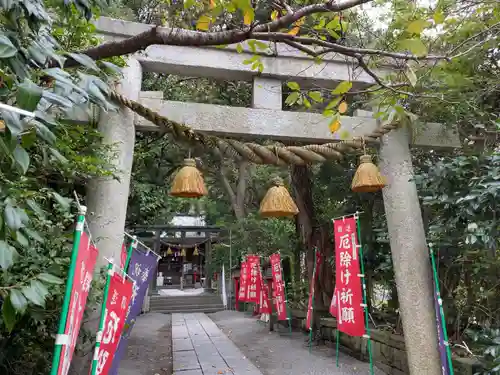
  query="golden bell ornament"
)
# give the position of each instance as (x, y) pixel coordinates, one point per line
(183, 252)
(367, 178)
(196, 252)
(188, 182)
(278, 202)
(169, 251)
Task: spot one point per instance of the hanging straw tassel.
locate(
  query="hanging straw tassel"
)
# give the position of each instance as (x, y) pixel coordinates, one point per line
(277, 202)
(188, 182)
(367, 178)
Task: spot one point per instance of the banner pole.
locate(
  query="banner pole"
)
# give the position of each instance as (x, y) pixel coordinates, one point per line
(337, 346)
(132, 246)
(56, 359)
(363, 279)
(102, 318)
(312, 300)
(441, 311)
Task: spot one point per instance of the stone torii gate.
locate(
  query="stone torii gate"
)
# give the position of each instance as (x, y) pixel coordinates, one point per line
(107, 199)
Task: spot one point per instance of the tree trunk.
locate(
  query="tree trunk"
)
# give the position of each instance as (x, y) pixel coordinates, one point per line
(302, 191)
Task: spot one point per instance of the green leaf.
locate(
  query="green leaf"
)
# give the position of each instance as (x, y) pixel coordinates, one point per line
(50, 279)
(7, 49)
(28, 95)
(415, 46)
(64, 202)
(412, 77)
(40, 288)
(13, 122)
(35, 208)
(8, 315)
(333, 24)
(417, 26)
(33, 296)
(334, 103)
(84, 60)
(438, 17)
(316, 96)
(111, 67)
(342, 88)
(18, 300)
(44, 132)
(292, 98)
(7, 255)
(22, 158)
(239, 48)
(12, 218)
(58, 155)
(293, 85)
(33, 234)
(21, 239)
(57, 99)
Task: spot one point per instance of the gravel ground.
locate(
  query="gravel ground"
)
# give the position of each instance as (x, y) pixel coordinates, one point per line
(149, 350)
(281, 354)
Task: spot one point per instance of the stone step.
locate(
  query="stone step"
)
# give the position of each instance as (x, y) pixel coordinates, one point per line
(184, 301)
(184, 305)
(191, 309)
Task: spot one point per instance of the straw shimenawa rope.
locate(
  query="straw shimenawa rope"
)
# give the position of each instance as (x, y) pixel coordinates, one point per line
(254, 152)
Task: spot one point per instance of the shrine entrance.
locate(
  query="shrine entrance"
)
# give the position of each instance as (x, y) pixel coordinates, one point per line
(184, 251)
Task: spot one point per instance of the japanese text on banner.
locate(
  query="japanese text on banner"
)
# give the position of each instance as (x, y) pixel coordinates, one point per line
(119, 296)
(278, 286)
(265, 307)
(348, 281)
(253, 290)
(84, 270)
(311, 290)
(142, 268)
(242, 292)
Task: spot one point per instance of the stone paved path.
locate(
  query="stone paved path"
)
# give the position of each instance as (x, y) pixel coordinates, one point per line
(281, 354)
(201, 348)
(149, 350)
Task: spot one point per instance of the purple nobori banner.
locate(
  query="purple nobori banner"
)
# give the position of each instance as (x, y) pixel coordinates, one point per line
(441, 344)
(142, 268)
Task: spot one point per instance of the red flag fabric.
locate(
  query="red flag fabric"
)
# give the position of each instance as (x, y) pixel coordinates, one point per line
(84, 270)
(123, 257)
(333, 305)
(242, 293)
(119, 296)
(311, 290)
(253, 290)
(348, 281)
(278, 286)
(265, 306)
(236, 297)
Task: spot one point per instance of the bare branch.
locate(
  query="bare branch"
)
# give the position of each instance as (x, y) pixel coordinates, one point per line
(183, 37)
(344, 50)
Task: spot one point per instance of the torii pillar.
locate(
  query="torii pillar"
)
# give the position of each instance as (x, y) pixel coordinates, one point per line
(107, 197)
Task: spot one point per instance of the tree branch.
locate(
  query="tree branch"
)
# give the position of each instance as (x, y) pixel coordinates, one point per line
(295, 41)
(183, 37)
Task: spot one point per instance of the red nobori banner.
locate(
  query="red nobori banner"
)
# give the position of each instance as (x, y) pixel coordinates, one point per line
(84, 270)
(123, 257)
(265, 306)
(119, 296)
(348, 281)
(311, 289)
(278, 286)
(253, 290)
(242, 292)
